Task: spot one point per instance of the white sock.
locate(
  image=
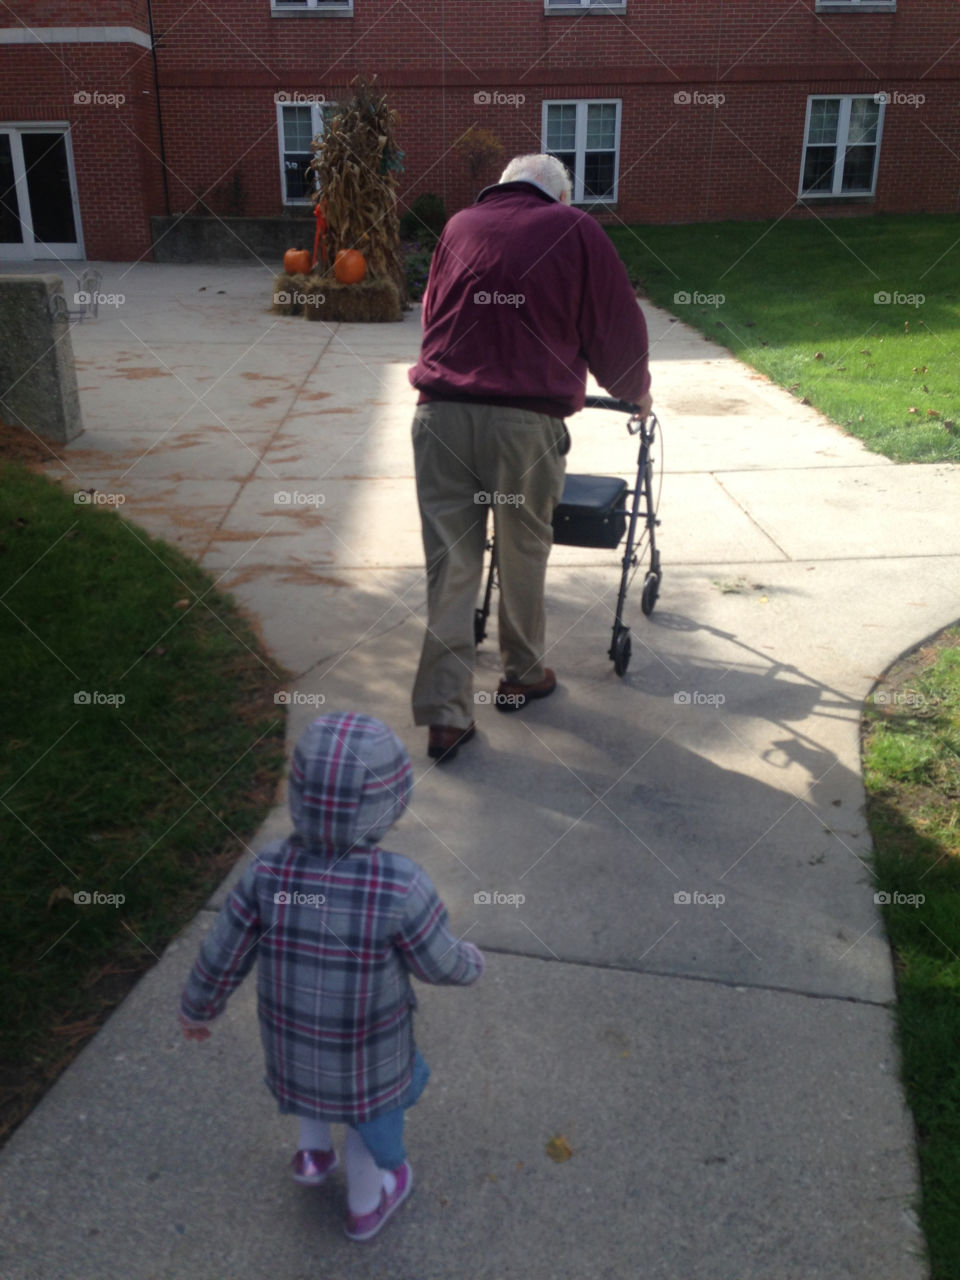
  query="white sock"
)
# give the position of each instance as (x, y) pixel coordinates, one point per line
(314, 1134)
(365, 1179)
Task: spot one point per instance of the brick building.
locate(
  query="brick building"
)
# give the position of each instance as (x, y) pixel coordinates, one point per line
(665, 110)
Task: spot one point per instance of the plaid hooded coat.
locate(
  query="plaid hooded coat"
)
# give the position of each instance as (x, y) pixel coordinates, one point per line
(338, 925)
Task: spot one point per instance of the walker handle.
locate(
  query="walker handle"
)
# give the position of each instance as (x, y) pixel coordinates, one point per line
(607, 402)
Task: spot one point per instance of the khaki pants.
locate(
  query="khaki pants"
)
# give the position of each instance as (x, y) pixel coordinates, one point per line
(471, 460)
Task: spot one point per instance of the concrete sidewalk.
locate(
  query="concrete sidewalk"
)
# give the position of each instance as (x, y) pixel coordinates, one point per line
(725, 1074)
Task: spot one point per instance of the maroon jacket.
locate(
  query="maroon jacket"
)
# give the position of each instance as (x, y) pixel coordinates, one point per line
(524, 295)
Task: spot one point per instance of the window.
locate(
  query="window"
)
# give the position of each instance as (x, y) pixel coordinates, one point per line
(852, 6)
(586, 137)
(842, 145)
(334, 8)
(578, 6)
(298, 124)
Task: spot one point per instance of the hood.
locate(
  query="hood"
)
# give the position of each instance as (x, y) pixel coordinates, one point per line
(350, 780)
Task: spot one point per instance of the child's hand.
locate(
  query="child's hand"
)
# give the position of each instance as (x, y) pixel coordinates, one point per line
(194, 1030)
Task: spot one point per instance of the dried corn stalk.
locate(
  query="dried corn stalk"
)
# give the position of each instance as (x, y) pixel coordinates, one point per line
(357, 160)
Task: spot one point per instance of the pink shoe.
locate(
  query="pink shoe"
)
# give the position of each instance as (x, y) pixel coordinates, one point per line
(312, 1167)
(361, 1226)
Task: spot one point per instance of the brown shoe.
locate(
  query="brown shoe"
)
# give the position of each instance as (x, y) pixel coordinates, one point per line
(513, 696)
(446, 740)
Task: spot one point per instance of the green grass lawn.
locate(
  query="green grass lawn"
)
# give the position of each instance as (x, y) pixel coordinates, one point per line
(796, 299)
(145, 801)
(912, 773)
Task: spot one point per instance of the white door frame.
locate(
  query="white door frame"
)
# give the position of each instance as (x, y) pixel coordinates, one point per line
(30, 249)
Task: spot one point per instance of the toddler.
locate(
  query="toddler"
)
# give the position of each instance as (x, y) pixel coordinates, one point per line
(338, 924)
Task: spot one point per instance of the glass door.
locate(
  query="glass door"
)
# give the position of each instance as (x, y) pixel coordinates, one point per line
(38, 202)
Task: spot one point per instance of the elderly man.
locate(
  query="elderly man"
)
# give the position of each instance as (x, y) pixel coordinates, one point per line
(525, 295)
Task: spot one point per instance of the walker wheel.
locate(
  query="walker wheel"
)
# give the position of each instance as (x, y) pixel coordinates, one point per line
(621, 651)
(651, 589)
(479, 626)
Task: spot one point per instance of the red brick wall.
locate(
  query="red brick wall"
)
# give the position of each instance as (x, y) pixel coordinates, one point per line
(220, 68)
(114, 146)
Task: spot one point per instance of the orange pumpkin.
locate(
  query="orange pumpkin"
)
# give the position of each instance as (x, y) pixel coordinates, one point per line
(349, 266)
(297, 262)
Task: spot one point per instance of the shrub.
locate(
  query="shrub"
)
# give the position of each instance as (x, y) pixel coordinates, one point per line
(424, 220)
(416, 268)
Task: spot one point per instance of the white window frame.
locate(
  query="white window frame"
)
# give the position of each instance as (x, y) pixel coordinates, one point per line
(856, 6)
(581, 143)
(313, 8)
(316, 122)
(843, 128)
(590, 6)
(29, 248)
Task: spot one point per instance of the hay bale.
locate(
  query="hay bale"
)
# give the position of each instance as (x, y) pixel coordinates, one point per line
(370, 301)
(324, 298)
(289, 293)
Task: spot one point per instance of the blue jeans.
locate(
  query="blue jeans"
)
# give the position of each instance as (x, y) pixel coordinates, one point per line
(384, 1136)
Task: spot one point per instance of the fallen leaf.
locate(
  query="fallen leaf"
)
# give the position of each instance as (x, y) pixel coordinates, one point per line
(864, 352)
(925, 388)
(818, 355)
(804, 400)
(932, 413)
(912, 409)
(182, 604)
(60, 894)
(558, 1149)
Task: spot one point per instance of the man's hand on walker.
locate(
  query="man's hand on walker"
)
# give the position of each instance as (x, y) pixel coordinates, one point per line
(644, 405)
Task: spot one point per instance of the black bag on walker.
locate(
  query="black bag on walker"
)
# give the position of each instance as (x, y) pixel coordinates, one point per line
(591, 512)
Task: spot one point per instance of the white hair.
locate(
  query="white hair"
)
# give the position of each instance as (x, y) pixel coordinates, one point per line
(546, 171)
